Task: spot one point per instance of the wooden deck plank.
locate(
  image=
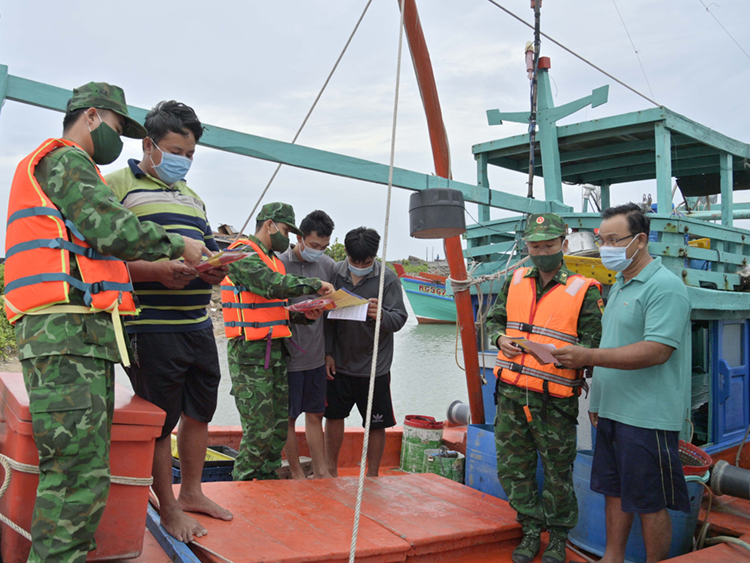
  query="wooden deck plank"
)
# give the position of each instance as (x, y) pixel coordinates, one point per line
(424, 519)
(291, 521)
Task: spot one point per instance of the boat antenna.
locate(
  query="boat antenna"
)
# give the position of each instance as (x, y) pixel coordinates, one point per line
(576, 55)
(537, 6)
(304, 121)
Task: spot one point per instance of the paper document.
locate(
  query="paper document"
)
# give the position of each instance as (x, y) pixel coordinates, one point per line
(351, 313)
(343, 298)
(540, 350)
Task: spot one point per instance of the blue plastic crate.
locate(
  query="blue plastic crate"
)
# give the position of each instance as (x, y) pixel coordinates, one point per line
(209, 474)
(481, 462)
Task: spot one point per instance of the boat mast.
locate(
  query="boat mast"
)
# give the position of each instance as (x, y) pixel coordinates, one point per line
(441, 156)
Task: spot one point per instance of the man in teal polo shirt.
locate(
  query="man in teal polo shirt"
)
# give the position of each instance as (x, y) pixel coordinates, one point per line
(641, 388)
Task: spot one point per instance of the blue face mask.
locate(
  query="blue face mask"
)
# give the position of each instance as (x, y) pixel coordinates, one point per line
(172, 167)
(615, 257)
(310, 254)
(361, 272)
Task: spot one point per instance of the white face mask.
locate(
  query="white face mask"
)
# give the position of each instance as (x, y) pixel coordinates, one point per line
(615, 257)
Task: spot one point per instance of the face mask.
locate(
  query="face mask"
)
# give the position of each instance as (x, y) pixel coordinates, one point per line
(310, 254)
(548, 262)
(279, 243)
(615, 258)
(172, 167)
(361, 272)
(107, 143)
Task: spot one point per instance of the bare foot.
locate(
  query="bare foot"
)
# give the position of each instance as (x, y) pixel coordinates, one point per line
(298, 473)
(325, 475)
(181, 526)
(201, 503)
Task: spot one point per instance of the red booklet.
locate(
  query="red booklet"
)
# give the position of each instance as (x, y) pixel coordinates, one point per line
(220, 259)
(310, 305)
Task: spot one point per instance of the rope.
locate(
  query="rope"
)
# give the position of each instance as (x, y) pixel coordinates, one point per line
(304, 121)
(637, 54)
(211, 551)
(378, 316)
(10, 464)
(708, 9)
(576, 55)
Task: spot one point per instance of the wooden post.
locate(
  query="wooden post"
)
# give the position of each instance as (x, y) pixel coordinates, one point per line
(441, 156)
(727, 188)
(484, 181)
(663, 140)
(605, 196)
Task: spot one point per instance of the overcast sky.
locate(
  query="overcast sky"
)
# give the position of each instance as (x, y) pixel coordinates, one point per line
(256, 67)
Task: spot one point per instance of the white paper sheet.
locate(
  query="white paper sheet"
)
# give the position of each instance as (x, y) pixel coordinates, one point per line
(354, 313)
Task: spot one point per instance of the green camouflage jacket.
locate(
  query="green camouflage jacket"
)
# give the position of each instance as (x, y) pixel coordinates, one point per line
(70, 180)
(258, 278)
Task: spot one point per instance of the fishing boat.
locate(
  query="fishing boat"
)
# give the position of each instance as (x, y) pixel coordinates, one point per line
(426, 517)
(427, 296)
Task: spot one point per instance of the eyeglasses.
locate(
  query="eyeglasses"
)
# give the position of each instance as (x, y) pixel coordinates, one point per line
(599, 242)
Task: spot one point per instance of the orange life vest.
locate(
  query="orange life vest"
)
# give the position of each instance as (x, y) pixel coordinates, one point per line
(551, 320)
(248, 314)
(38, 246)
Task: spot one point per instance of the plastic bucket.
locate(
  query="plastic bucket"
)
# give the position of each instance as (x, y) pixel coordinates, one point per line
(591, 532)
(420, 433)
(436, 461)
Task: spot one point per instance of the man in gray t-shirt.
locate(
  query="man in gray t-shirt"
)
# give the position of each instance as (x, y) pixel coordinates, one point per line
(306, 369)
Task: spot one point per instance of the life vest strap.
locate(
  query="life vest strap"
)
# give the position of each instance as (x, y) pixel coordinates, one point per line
(57, 243)
(255, 305)
(526, 370)
(542, 331)
(88, 289)
(48, 212)
(233, 324)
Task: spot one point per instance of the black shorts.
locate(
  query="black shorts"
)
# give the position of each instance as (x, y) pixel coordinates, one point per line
(307, 391)
(344, 391)
(178, 372)
(641, 466)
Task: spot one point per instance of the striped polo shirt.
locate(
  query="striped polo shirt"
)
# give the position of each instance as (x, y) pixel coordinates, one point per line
(179, 210)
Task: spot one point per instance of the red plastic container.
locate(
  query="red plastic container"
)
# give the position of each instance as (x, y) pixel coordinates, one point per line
(137, 424)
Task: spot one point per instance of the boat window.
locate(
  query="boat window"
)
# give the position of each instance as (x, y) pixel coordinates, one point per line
(732, 349)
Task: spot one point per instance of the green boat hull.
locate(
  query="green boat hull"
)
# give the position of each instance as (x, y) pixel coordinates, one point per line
(428, 300)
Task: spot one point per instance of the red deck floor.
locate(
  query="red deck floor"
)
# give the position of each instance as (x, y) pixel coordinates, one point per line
(415, 518)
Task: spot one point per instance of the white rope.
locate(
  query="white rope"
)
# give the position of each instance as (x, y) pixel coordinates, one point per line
(304, 121)
(10, 464)
(383, 267)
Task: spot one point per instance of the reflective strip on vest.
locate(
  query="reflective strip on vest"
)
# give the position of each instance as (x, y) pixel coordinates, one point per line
(526, 370)
(57, 243)
(88, 289)
(255, 325)
(254, 305)
(533, 329)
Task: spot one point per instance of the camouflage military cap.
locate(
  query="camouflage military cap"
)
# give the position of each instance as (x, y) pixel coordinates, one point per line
(106, 96)
(280, 213)
(544, 226)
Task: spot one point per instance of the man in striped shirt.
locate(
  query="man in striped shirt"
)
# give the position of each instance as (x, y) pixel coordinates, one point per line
(175, 363)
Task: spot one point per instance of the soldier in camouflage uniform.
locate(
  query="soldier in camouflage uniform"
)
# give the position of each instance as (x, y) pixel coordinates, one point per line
(68, 358)
(551, 433)
(260, 392)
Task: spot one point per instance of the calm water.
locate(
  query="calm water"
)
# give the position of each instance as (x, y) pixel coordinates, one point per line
(425, 379)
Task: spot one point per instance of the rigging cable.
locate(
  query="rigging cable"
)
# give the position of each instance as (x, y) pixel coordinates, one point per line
(724, 28)
(638, 56)
(379, 315)
(304, 121)
(576, 55)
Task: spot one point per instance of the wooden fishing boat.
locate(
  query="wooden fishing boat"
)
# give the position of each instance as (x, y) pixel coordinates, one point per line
(427, 296)
(427, 518)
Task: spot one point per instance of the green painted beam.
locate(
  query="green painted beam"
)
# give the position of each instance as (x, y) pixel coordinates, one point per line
(663, 164)
(727, 192)
(605, 196)
(683, 251)
(54, 98)
(677, 122)
(484, 182)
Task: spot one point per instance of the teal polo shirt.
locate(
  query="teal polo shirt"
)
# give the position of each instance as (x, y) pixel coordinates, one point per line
(653, 306)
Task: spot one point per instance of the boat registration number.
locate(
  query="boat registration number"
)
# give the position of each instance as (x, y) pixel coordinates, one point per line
(432, 289)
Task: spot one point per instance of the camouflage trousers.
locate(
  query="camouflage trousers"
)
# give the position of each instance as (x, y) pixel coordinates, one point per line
(71, 399)
(519, 442)
(262, 399)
